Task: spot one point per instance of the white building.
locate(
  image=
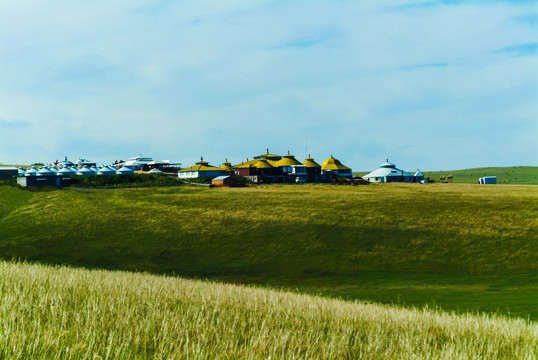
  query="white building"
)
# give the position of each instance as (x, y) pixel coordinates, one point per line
(388, 172)
(137, 162)
(201, 168)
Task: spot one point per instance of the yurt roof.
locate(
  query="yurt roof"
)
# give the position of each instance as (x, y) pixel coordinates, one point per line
(125, 170)
(262, 164)
(288, 160)
(333, 164)
(246, 164)
(387, 164)
(201, 167)
(85, 170)
(65, 171)
(384, 172)
(310, 163)
(45, 172)
(31, 171)
(226, 166)
(268, 156)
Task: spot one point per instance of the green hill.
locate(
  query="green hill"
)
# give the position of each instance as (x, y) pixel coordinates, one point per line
(62, 313)
(520, 175)
(462, 247)
(515, 175)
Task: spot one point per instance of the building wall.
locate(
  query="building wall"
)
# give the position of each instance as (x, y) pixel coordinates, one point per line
(187, 174)
(8, 173)
(58, 181)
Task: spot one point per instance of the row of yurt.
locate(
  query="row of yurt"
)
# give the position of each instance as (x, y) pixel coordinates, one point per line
(66, 171)
(276, 168)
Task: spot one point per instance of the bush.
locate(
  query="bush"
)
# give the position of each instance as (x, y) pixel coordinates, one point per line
(10, 182)
(124, 181)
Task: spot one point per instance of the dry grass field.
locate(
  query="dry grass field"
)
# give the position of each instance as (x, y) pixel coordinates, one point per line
(62, 313)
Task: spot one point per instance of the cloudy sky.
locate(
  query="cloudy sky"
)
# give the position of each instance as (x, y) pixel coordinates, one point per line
(428, 84)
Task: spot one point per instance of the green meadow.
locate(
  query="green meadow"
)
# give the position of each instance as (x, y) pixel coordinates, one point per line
(515, 175)
(458, 247)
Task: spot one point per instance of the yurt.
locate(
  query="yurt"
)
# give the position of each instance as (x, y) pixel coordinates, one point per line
(334, 166)
(388, 172)
(32, 171)
(65, 171)
(84, 171)
(45, 172)
(105, 170)
(287, 163)
(227, 167)
(125, 171)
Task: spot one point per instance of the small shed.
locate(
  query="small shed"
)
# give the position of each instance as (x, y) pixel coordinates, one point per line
(225, 180)
(8, 172)
(488, 180)
(46, 180)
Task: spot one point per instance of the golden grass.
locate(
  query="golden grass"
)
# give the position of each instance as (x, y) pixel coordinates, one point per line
(63, 313)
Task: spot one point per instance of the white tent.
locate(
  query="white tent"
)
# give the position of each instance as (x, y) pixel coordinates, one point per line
(105, 170)
(65, 171)
(45, 172)
(388, 172)
(32, 171)
(125, 170)
(85, 170)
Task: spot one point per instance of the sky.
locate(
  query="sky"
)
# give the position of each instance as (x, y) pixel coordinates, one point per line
(430, 85)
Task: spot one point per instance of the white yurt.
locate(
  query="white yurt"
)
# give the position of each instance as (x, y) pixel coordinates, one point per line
(21, 171)
(31, 171)
(155, 171)
(85, 170)
(45, 172)
(105, 170)
(125, 171)
(65, 171)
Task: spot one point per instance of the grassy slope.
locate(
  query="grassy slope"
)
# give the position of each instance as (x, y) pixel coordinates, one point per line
(515, 175)
(79, 314)
(522, 175)
(463, 247)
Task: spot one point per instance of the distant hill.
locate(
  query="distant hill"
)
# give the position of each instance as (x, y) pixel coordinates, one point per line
(516, 175)
(521, 175)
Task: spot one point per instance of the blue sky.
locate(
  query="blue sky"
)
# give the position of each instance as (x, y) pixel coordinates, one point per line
(428, 84)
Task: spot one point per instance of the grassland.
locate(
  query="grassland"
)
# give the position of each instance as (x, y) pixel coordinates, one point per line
(515, 175)
(62, 313)
(522, 175)
(460, 247)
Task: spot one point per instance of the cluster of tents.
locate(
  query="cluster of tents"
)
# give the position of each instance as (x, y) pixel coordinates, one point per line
(80, 171)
